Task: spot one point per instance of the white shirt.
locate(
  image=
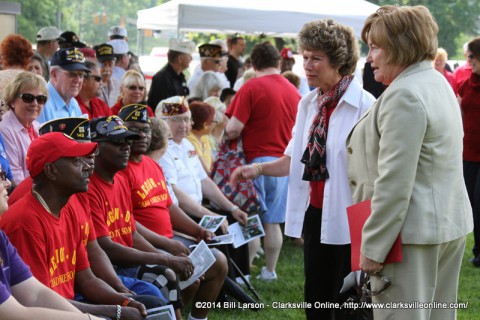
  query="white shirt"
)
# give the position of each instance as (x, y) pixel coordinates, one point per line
(183, 168)
(337, 196)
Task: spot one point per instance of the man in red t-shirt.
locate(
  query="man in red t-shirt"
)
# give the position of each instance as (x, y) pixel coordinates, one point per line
(49, 235)
(87, 98)
(263, 114)
(112, 213)
(153, 207)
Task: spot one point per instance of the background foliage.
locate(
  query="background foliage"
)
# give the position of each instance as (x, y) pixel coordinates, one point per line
(90, 19)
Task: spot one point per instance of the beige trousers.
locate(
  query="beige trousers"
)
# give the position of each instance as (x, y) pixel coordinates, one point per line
(427, 274)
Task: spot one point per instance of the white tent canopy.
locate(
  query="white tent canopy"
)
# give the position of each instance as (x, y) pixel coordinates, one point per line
(270, 17)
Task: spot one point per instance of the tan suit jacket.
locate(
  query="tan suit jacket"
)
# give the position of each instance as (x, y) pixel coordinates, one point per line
(406, 155)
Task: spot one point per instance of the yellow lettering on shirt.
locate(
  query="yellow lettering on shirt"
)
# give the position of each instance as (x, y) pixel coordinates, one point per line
(146, 187)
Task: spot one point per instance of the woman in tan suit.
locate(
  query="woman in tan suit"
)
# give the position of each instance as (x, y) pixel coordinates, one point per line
(405, 155)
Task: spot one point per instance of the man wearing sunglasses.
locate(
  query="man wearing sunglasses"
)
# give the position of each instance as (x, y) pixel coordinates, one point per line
(112, 214)
(154, 208)
(67, 70)
(87, 98)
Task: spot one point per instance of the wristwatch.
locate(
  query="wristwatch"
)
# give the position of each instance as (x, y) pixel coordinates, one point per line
(234, 208)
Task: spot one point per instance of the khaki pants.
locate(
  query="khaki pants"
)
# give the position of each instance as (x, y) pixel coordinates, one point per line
(428, 273)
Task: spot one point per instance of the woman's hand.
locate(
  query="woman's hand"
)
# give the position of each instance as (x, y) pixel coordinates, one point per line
(244, 173)
(240, 216)
(370, 266)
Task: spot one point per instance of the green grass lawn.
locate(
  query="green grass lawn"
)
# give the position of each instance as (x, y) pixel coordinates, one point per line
(289, 288)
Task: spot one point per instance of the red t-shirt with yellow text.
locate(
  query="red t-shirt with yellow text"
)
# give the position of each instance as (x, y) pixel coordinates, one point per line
(111, 207)
(150, 195)
(52, 247)
(78, 199)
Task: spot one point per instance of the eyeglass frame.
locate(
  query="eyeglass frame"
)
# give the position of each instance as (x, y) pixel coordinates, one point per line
(28, 96)
(74, 74)
(146, 130)
(91, 76)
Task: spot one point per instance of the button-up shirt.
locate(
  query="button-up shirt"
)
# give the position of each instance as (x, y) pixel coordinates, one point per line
(17, 141)
(57, 108)
(183, 168)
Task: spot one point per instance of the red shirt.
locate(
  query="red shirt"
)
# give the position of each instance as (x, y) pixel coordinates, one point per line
(267, 106)
(317, 188)
(469, 91)
(98, 108)
(78, 201)
(461, 74)
(111, 206)
(150, 195)
(52, 247)
(119, 105)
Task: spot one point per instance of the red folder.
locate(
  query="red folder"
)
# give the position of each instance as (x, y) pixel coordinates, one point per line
(357, 215)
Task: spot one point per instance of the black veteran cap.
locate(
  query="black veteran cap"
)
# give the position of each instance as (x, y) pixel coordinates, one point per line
(77, 128)
(104, 52)
(70, 59)
(134, 112)
(110, 128)
(210, 51)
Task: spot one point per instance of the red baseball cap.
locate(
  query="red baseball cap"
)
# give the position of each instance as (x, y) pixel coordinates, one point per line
(52, 146)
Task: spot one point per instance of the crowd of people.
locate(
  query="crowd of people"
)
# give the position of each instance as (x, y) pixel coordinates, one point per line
(104, 180)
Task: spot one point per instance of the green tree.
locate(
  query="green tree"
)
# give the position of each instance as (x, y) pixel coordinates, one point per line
(457, 21)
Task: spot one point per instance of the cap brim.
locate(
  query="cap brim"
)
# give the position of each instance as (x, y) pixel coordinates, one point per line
(81, 150)
(75, 66)
(106, 58)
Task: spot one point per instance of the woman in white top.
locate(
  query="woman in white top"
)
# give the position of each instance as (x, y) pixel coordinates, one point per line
(318, 190)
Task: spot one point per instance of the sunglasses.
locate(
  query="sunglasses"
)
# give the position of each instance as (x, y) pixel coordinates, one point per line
(29, 98)
(117, 142)
(73, 74)
(3, 175)
(96, 78)
(133, 88)
(138, 130)
(368, 293)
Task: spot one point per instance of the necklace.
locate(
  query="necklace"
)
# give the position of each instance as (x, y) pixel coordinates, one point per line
(41, 200)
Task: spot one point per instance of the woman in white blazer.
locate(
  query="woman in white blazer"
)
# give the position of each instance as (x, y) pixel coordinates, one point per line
(405, 155)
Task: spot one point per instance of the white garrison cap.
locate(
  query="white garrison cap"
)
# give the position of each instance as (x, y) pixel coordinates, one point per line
(182, 46)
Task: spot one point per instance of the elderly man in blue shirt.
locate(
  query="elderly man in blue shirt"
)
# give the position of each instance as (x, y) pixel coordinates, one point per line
(67, 70)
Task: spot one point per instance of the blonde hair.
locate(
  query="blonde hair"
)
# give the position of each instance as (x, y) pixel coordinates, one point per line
(441, 54)
(24, 81)
(132, 77)
(408, 34)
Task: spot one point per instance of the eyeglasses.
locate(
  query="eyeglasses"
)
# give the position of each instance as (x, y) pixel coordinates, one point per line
(96, 78)
(29, 98)
(367, 293)
(216, 61)
(138, 130)
(180, 119)
(74, 74)
(3, 175)
(117, 142)
(133, 88)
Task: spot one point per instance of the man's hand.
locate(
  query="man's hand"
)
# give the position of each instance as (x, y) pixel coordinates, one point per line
(182, 265)
(205, 235)
(370, 266)
(135, 310)
(177, 248)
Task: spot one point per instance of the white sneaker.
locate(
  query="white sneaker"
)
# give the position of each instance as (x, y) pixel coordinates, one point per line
(266, 275)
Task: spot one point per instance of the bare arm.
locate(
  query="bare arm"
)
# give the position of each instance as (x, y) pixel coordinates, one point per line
(103, 268)
(233, 129)
(32, 300)
(211, 191)
(277, 168)
(158, 241)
